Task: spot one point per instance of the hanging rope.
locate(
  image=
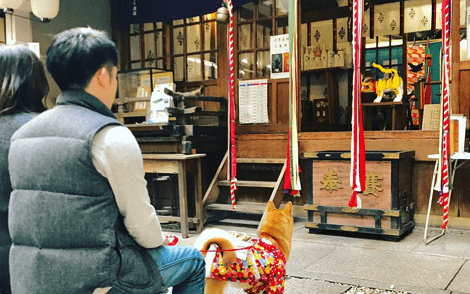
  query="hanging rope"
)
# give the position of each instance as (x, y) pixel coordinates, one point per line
(445, 114)
(292, 178)
(358, 161)
(233, 147)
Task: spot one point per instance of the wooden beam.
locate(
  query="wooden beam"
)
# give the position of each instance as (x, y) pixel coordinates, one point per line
(261, 160)
(222, 60)
(325, 14)
(167, 46)
(371, 22)
(465, 65)
(378, 2)
(402, 27)
(274, 145)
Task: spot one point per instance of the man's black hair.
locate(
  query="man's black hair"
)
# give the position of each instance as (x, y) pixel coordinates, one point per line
(75, 55)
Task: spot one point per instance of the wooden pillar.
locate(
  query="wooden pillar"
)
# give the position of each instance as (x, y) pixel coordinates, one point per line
(168, 49)
(299, 67)
(121, 39)
(455, 57)
(222, 60)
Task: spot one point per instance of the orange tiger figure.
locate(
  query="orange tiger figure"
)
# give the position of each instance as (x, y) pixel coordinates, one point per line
(393, 83)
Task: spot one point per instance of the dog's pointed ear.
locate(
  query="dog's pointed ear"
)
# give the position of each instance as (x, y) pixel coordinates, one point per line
(270, 206)
(288, 208)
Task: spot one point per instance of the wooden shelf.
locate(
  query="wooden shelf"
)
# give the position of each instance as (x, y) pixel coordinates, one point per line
(320, 70)
(432, 83)
(204, 98)
(130, 114)
(397, 117)
(329, 112)
(378, 104)
(197, 112)
(130, 99)
(145, 127)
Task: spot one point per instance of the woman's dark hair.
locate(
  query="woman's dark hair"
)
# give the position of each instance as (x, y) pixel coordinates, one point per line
(75, 55)
(23, 80)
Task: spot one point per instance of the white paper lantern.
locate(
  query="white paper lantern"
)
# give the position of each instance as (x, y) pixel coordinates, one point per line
(13, 4)
(45, 9)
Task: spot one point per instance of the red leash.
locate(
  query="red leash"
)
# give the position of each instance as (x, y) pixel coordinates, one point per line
(227, 250)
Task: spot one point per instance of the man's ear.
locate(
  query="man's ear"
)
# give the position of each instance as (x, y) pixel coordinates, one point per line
(102, 76)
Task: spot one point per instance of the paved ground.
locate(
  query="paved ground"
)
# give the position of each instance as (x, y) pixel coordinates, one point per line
(327, 263)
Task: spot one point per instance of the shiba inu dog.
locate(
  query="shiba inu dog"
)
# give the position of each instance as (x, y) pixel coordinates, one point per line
(257, 265)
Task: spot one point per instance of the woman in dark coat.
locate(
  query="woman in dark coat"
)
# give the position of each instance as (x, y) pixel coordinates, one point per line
(23, 88)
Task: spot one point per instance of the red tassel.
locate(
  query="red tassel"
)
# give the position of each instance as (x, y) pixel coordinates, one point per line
(353, 201)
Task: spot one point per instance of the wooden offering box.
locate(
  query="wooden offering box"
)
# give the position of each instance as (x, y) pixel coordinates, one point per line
(387, 207)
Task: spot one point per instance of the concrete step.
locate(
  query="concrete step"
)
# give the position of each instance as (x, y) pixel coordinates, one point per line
(245, 207)
(262, 160)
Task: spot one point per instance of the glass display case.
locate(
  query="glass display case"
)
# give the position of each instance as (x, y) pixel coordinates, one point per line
(135, 89)
(140, 82)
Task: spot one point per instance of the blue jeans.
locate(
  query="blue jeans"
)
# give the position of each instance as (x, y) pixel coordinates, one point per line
(182, 268)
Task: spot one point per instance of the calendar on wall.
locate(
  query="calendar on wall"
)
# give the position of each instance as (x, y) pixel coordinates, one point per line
(253, 101)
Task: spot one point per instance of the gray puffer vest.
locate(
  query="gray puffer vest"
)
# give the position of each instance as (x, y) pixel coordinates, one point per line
(67, 233)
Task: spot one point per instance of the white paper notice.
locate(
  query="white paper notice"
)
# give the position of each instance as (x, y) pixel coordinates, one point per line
(253, 101)
(280, 56)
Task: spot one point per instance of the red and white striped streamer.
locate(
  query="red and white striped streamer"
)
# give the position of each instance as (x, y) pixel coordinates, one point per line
(445, 113)
(233, 147)
(358, 161)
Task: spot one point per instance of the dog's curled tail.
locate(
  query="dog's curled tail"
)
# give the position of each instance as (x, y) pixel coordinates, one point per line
(220, 238)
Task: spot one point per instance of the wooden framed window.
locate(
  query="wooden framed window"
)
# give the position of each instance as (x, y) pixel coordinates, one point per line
(147, 45)
(256, 23)
(3, 39)
(190, 44)
(386, 51)
(194, 48)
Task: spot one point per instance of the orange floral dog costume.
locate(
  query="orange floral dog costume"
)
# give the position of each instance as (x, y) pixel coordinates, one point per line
(263, 269)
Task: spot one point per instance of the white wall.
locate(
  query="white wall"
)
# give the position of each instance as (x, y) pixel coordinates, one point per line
(72, 13)
(18, 25)
(23, 26)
